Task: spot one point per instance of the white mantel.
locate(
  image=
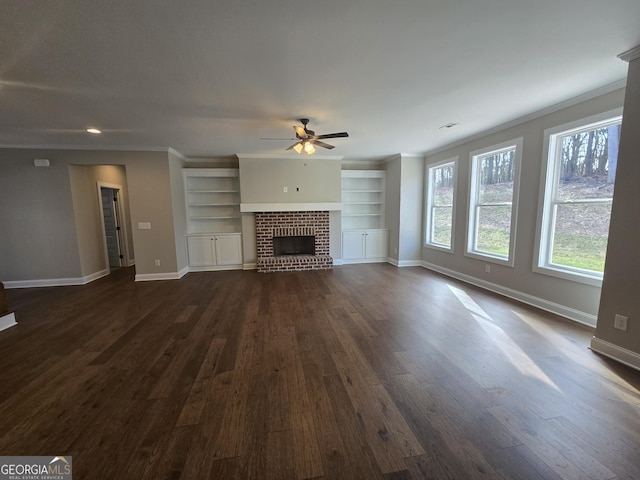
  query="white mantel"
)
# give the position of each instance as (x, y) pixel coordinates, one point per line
(290, 207)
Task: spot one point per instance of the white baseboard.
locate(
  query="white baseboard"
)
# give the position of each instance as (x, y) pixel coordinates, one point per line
(562, 310)
(614, 352)
(7, 321)
(95, 276)
(151, 277)
(337, 261)
(250, 266)
(183, 272)
(55, 282)
(405, 263)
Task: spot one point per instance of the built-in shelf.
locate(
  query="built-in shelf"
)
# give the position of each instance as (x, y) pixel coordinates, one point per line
(213, 200)
(364, 237)
(363, 199)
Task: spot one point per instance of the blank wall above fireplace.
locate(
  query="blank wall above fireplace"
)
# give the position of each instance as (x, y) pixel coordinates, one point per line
(289, 183)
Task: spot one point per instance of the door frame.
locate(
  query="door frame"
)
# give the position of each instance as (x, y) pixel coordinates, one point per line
(124, 246)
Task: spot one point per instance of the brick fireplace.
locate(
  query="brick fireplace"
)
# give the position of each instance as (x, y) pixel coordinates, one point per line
(270, 225)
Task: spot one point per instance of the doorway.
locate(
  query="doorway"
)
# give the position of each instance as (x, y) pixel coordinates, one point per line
(114, 233)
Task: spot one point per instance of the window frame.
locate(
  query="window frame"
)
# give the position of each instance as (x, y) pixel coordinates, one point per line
(474, 158)
(429, 204)
(550, 172)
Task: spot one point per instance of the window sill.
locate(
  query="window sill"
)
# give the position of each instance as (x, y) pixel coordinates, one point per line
(570, 276)
(438, 248)
(490, 258)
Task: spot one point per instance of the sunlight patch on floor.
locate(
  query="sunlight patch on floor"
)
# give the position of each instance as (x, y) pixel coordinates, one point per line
(618, 386)
(501, 340)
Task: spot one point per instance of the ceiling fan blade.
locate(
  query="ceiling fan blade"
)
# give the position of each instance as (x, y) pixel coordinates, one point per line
(300, 132)
(291, 146)
(322, 144)
(333, 135)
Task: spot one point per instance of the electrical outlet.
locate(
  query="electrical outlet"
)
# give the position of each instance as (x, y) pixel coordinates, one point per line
(285, 189)
(620, 322)
(487, 268)
(157, 262)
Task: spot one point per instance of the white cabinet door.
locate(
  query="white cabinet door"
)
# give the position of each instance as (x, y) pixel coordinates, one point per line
(228, 249)
(375, 244)
(353, 244)
(201, 251)
(364, 245)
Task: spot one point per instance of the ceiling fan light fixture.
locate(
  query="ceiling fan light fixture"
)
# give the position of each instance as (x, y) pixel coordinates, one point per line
(307, 140)
(309, 148)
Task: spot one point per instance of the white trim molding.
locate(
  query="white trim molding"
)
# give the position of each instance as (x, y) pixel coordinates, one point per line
(291, 154)
(7, 321)
(151, 277)
(290, 207)
(630, 55)
(614, 352)
(404, 263)
(56, 282)
(552, 307)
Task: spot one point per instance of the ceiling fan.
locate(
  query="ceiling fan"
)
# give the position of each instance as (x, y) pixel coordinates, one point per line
(308, 140)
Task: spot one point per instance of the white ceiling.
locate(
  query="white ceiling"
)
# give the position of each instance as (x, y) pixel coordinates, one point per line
(212, 77)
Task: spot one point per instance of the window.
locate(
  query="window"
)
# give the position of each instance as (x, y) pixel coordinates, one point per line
(578, 191)
(493, 202)
(441, 183)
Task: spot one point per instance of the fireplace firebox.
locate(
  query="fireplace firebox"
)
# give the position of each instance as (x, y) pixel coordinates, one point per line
(294, 245)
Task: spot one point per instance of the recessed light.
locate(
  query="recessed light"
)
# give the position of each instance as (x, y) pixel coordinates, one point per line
(448, 125)
(95, 131)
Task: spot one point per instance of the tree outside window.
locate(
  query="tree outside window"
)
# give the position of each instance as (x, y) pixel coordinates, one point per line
(581, 170)
(493, 202)
(441, 184)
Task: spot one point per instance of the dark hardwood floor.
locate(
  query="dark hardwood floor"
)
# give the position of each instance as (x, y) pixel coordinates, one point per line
(363, 372)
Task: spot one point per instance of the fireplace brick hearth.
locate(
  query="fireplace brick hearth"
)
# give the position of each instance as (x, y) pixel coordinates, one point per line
(283, 224)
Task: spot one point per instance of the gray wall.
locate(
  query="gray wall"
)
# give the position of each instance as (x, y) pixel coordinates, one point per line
(577, 300)
(262, 180)
(40, 229)
(621, 284)
(404, 208)
(38, 234)
(392, 205)
(150, 199)
(411, 209)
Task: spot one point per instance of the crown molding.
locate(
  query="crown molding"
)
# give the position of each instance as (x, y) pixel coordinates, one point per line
(176, 153)
(119, 148)
(278, 156)
(630, 55)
